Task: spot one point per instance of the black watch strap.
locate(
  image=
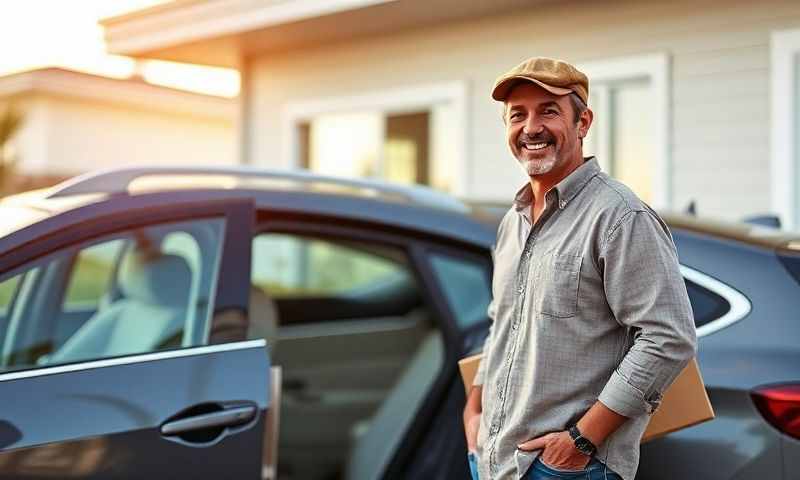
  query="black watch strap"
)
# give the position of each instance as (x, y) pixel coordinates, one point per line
(583, 444)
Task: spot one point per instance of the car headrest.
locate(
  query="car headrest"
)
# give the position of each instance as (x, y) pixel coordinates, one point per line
(155, 278)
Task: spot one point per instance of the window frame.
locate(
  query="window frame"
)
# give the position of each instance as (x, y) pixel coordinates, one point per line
(784, 137)
(656, 68)
(416, 246)
(388, 101)
(94, 223)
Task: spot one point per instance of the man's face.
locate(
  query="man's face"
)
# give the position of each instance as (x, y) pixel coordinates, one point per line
(542, 130)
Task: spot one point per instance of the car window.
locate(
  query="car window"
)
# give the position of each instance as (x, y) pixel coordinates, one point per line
(358, 346)
(91, 274)
(131, 292)
(294, 266)
(466, 285)
(8, 289)
(707, 306)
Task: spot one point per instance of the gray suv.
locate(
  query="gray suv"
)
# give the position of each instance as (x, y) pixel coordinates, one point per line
(141, 310)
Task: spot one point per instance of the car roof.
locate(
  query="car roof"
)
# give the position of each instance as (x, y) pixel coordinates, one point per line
(415, 207)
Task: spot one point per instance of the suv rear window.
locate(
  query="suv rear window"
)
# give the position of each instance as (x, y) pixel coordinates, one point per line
(706, 305)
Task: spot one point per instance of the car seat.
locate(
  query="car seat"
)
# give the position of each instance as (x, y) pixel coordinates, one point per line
(263, 317)
(374, 449)
(153, 308)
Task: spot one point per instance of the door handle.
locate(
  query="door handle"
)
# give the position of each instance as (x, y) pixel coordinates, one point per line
(228, 417)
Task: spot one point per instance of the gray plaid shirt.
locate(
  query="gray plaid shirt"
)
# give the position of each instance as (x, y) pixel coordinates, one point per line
(588, 304)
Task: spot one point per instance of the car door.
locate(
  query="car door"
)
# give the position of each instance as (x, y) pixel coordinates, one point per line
(158, 382)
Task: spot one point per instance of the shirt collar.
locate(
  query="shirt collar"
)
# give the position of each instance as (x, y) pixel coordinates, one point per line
(566, 189)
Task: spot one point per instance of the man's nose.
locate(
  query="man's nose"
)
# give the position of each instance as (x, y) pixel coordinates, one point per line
(532, 126)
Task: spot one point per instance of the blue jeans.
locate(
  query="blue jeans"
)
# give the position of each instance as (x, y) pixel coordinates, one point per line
(473, 465)
(595, 470)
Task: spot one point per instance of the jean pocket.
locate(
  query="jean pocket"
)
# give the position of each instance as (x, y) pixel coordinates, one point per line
(472, 459)
(555, 472)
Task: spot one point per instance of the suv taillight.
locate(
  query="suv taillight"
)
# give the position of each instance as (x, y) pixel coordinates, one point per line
(780, 406)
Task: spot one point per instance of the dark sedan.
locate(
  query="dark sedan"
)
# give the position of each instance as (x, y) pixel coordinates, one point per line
(136, 305)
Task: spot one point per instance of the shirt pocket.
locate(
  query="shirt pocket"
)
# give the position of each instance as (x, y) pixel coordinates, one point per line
(558, 282)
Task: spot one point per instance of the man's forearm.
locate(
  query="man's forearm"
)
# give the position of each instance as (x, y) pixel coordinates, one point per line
(473, 405)
(599, 422)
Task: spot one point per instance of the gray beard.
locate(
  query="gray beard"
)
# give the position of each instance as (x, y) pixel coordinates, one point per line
(538, 167)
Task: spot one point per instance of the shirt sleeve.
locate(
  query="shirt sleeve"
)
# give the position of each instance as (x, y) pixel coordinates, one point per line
(491, 311)
(646, 293)
(480, 375)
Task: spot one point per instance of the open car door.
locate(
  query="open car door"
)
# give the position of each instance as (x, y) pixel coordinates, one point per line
(154, 378)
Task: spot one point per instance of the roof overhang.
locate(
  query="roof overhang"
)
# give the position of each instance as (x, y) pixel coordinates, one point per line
(128, 92)
(221, 32)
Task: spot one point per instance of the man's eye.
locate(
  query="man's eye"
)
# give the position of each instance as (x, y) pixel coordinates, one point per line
(550, 111)
(515, 115)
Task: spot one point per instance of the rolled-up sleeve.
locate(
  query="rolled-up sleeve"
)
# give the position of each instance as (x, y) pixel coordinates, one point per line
(491, 312)
(480, 375)
(647, 294)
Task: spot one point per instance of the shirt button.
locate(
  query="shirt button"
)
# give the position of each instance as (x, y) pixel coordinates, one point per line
(521, 288)
(563, 203)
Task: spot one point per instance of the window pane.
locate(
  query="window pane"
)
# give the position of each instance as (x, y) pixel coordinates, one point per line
(706, 305)
(7, 290)
(346, 145)
(156, 284)
(295, 266)
(466, 286)
(633, 137)
(91, 274)
(406, 148)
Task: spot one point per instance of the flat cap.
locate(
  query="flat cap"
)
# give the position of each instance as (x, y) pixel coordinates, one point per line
(555, 76)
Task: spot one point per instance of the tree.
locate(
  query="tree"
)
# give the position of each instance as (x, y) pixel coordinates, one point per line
(10, 123)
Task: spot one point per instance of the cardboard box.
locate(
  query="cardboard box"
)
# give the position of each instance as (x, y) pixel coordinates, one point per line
(685, 403)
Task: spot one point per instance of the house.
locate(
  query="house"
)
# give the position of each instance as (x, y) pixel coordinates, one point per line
(693, 101)
(75, 122)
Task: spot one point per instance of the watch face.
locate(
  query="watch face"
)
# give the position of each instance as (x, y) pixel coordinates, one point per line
(583, 445)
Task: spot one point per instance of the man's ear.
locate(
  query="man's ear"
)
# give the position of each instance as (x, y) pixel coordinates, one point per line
(585, 122)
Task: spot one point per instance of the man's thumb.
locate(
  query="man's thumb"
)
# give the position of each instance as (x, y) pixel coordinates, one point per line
(535, 444)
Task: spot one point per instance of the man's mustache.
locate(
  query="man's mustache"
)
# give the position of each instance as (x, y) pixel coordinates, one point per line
(542, 137)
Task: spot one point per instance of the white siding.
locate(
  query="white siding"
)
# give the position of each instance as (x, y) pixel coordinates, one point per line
(720, 105)
(65, 136)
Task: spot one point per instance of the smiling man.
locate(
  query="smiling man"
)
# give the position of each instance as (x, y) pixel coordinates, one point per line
(590, 317)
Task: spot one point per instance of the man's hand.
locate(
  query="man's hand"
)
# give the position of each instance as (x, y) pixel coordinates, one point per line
(472, 417)
(472, 423)
(558, 451)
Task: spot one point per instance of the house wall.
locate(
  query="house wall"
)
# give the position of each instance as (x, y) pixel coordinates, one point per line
(64, 136)
(719, 78)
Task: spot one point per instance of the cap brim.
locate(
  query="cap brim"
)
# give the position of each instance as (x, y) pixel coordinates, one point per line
(502, 89)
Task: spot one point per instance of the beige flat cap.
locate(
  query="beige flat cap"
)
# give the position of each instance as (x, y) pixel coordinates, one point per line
(555, 76)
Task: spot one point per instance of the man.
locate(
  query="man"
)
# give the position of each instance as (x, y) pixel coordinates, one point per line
(591, 319)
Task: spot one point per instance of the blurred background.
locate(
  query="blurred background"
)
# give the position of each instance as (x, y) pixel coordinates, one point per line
(694, 101)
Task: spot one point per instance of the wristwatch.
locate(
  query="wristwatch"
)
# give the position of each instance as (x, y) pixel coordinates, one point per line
(583, 444)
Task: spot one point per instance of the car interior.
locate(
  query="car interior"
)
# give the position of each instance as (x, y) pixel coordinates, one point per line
(357, 344)
(133, 292)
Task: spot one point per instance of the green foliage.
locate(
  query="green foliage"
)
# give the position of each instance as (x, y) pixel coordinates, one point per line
(89, 282)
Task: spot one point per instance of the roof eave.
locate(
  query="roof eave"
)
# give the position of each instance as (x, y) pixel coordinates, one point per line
(164, 30)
